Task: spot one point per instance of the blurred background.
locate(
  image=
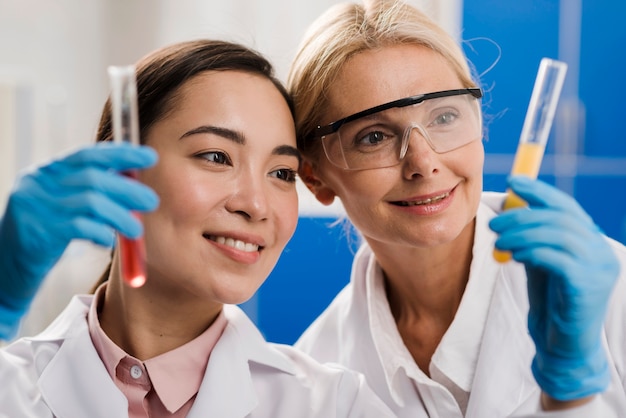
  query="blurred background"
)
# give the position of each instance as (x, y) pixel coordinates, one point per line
(53, 82)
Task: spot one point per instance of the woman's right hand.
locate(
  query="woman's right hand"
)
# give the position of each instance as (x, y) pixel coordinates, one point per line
(79, 196)
(571, 270)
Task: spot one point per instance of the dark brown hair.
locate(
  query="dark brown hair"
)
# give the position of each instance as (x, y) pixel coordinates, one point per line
(161, 73)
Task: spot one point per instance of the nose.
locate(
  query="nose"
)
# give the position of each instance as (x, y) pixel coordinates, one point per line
(249, 198)
(420, 160)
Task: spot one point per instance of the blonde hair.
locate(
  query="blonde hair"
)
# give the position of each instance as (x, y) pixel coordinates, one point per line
(346, 29)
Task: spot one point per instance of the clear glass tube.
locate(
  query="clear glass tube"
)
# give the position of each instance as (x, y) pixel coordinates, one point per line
(536, 129)
(125, 123)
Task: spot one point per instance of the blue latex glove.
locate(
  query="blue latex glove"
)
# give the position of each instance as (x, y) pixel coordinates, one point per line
(571, 272)
(80, 196)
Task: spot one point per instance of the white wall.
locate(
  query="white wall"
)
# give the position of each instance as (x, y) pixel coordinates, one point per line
(55, 52)
(61, 48)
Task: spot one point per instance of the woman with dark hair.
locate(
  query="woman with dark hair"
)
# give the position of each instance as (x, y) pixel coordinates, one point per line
(222, 128)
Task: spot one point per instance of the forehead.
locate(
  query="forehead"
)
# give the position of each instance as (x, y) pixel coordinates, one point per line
(226, 89)
(249, 103)
(378, 76)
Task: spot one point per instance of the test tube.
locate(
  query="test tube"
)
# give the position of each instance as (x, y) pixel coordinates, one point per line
(535, 131)
(126, 128)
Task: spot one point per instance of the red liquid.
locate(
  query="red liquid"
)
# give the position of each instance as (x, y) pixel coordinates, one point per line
(133, 255)
(132, 258)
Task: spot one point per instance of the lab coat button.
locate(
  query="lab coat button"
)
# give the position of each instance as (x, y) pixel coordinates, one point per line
(135, 372)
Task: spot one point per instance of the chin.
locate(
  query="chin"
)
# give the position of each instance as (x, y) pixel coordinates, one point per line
(236, 296)
(441, 234)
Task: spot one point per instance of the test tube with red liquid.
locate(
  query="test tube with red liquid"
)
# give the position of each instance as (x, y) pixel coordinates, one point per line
(125, 121)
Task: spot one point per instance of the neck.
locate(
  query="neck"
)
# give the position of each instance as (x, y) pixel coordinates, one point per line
(427, 282)
(148, 321)
(424, 288)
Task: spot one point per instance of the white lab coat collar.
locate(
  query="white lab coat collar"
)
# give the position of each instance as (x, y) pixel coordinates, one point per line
(78, 361)
(393, 354)
(505, 321)
(62, 328)
(457, 353)
(494, 367)
(240, 348)
(228, 370)
(254, 346)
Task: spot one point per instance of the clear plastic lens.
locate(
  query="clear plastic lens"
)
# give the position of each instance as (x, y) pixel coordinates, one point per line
(381, 139)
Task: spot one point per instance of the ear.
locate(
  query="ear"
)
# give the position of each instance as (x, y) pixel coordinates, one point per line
(324, 194)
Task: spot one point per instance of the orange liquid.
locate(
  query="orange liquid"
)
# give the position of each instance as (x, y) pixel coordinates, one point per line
(527, 162)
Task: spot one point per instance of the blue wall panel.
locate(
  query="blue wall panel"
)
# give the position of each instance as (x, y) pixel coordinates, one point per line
(526, 31)
(602, 71)
(314, 268)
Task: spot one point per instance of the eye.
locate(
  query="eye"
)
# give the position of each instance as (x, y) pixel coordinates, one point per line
(216, 157)
(445, 118)
(285, 174)
(371, 138)
(374, 140)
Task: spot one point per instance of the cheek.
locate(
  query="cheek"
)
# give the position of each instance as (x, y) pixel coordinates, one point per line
(476, 164)
(467, 162)
(180, 194)
(360, 188)
(470, 166)
(287, 215)
(361, 194)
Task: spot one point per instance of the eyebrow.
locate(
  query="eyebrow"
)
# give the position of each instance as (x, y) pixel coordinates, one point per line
(240, 138)
(234, 136)
(289, 151)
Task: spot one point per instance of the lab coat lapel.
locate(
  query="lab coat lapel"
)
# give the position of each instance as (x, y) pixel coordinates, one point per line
(503, 380)
(227, 389)
(76, 384)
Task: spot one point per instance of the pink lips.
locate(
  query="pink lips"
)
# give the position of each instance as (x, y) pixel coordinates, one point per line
(427, 204)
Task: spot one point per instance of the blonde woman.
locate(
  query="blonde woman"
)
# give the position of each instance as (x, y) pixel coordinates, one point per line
(388, 120)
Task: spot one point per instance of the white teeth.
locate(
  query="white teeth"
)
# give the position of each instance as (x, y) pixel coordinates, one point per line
(235, 243)
(427, 201)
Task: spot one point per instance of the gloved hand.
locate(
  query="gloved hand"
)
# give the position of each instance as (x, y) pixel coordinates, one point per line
(80, 196)
(571, 271)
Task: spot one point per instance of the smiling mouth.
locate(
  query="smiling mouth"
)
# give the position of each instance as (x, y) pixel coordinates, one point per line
(234, 243)
(428, 201)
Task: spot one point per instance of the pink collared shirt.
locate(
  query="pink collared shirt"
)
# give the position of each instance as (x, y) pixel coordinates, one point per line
(163, 386)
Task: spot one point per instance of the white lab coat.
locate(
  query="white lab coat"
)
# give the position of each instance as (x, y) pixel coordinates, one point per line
(502, 384)
(59, 374)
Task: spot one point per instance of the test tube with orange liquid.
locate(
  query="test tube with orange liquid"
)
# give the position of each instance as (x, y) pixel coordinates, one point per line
(125, 121)
(535, 131)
